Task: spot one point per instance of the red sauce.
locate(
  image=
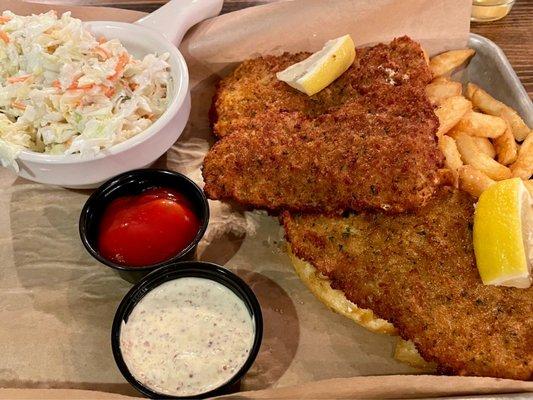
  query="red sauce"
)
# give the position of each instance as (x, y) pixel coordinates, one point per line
(148, 228)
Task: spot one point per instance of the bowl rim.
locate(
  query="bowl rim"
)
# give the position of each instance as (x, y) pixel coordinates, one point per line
(109, 186)
(177, 270)
(180, 78)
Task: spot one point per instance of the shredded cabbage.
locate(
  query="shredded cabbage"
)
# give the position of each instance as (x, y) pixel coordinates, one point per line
(63, 91)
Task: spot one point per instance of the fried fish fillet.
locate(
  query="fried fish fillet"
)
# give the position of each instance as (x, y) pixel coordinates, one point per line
(253, 87)
(417, 270)
(367, 141)
(378, 152)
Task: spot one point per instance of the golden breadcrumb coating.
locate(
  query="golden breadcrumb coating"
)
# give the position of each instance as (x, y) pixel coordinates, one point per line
(417, 270)
(367, 141)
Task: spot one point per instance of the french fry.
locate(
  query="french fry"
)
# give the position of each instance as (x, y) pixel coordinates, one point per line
(529, 186)
(473, 181)
(523, 166)
(518, 126)
(449, 148)
(506, 147)
(453, 133)
(486, 103)
(442, 88)
(444, 63)
(450, 112)
(482, 125)
(471, 90)
(426, 57)
(471, 155)
(485, 146)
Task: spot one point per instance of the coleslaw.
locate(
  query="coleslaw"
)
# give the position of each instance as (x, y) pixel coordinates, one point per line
(64, 91)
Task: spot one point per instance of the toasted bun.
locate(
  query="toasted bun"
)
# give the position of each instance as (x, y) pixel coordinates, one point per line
(407, 353)
(334, 299)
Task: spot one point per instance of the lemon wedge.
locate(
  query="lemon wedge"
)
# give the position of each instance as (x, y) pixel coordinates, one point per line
(503, 234)
(317, 71)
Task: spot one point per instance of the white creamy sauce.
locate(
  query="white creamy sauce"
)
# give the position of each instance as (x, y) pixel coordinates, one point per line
(187, 336)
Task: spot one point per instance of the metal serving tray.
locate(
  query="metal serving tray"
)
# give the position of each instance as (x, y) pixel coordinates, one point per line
(490, 69)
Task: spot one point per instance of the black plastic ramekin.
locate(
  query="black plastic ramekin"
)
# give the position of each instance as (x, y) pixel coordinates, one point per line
(181, 270)
(131, 183)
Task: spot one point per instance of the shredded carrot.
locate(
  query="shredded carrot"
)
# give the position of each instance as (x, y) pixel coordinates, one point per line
(86, 87)
(119, 68)
(18, 104)
(56, 84)
(109, 91)
(21, 78)
(74, 84)
(102, 40)
(4, 36)
(4, 19)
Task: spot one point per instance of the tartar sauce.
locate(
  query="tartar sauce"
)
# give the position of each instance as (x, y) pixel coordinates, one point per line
(187, 336)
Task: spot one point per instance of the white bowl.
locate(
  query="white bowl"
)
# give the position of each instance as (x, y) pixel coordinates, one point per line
(159, 33)
(76, 171)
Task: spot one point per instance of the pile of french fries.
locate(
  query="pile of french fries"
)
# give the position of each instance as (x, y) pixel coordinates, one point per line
(483, 140)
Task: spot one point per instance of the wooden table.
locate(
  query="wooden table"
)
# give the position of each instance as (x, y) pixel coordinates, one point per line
(514, 33)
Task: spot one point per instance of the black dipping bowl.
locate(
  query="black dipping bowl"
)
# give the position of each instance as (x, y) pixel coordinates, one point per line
(132, 183)
(181, 270)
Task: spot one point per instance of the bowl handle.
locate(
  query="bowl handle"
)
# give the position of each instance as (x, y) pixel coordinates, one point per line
(175, 18)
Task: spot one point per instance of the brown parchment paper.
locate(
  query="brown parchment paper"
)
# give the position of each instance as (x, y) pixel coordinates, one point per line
(371, 387)
(57, 303)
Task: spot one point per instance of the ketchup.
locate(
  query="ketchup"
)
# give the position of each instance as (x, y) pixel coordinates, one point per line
(148, 228)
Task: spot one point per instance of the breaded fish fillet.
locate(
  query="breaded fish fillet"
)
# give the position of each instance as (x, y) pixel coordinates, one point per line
(253, 87)
(366, 141)
(376, 152)
(417, 270)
